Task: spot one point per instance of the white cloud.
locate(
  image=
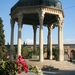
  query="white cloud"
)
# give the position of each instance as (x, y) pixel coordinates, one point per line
(30, 41)
(66, 41)
(69, 41)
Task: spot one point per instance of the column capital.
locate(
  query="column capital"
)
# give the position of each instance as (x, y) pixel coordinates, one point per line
(60, 22)
(50, 27)
(41, 14)
(20, 17)
(35, 27)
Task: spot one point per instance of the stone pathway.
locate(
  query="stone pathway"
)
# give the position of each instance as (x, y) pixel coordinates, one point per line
(28, 73)
(63, 65)
(52, 72)
(53, 67)
(59, 72)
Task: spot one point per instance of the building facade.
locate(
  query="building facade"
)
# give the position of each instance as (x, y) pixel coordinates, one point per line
(69, 49)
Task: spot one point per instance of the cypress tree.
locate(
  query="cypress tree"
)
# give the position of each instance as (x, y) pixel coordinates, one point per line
(2, 40)
(2, 36)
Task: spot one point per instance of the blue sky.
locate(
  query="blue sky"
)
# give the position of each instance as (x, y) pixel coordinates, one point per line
(27, 31)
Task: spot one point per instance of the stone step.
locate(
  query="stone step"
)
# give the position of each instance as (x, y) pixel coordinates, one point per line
(63, 65)
(52, 64)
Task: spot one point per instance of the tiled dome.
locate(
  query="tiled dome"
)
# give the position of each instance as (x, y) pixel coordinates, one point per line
(25, 3)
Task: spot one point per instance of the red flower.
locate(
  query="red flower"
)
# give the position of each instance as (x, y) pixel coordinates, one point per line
(20, 56)
(24, 62)
(19, 71)
(21, 61)
(25, 69)
(17, 61)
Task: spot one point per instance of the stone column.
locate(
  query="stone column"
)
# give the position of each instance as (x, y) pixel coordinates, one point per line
(60, 40)
(19, 32)
(41, 18)
(34, 29)
(50, 41)
(12, 38)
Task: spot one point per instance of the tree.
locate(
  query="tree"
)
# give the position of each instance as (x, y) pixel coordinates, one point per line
(2, 38)
(24, 44)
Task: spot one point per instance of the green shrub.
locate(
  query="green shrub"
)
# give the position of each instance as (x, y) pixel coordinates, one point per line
(25, 52)
(55, 53)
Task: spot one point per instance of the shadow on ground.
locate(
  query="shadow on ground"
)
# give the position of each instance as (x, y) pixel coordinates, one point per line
(49, 70)
(73, 61)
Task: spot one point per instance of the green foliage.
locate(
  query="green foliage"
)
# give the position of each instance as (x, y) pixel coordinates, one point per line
(37, 51)
(8, 68)
(35, 69)
(30, 54)
(11, 68)
(1, 55)
(25, 52)
(14, 53)
(2, 41)
(55, 53)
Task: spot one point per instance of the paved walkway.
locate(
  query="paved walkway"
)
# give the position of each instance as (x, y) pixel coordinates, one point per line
(28, 73)
(59, 72)
(53, 67)
(52, 72)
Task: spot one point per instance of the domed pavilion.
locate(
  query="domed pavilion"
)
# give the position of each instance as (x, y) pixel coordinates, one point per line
(38, 13)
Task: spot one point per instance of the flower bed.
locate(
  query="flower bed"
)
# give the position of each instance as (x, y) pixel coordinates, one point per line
(18, 66)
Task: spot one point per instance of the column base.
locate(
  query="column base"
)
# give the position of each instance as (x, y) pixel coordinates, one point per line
(61, 58)
(41, 60)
